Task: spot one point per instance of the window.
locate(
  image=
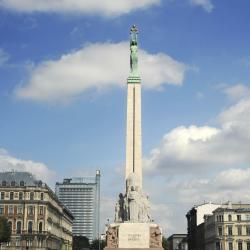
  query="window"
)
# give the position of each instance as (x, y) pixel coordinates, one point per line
(21, 183)
(1, 209)
(220, 218)
(20, 196)
(41, 210)
(220, 231)
(230, 245)
(40, 242)
(238, 217)
(30, 210)
(229, 219)
(18, 242)
(19, 209)
(248, 245)
(30, 225)
(12, 183)
(11, 210)
(10, 225)
(248, 230)
(217, 246)
(230, 231)
(239, 245)
(42, 196)
(40, 227)
(239, 230)
(2, 195)
(4, 183)
(18, 227)
(11, 195)
(32, 196)
(29, 243)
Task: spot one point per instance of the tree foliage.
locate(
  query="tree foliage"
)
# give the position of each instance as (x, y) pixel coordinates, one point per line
(80, 243)
(5, 230)
(164, 243)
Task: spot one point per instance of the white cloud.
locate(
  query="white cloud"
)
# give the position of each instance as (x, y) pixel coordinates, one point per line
(237, 92)
(4, 57)
(205, 4)
(105, 8)
(97, 66)
(194, 148)
(40, 170)
(228, 185)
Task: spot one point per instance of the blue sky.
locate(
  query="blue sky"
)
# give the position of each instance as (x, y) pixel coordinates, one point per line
(63, 70)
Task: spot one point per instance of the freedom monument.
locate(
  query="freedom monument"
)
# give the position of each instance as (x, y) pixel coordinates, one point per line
(133, 227)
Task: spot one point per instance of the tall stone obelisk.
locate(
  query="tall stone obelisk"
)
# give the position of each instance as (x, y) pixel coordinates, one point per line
(133, 228)
(133, 135)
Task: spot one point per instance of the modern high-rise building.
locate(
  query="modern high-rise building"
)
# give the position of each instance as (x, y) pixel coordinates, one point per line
(82, 196)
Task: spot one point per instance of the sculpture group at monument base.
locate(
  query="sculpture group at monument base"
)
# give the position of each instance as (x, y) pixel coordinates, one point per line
(130, 236)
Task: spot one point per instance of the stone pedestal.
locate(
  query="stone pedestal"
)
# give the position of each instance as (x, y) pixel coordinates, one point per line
(130, 236)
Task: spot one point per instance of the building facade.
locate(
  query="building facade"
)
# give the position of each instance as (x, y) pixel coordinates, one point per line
(177, 242)
(195, 224)
(82, 197)
(228, 228)
(37, 218)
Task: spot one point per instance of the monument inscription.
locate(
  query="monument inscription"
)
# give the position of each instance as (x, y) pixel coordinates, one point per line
(134, 235)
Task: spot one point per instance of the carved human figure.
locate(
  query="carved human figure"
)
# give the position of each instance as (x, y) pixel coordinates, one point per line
(126, 209)
(121, 207)
(155, 237)
(133, 59)
(133, 204)
(112, 238)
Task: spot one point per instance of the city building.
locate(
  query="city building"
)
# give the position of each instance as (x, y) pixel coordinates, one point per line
(82, 196)
(195, 224)
(228, 228)
(37, 218)
(177, 242)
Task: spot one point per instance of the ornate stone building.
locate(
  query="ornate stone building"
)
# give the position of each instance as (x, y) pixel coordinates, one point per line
(228, 228)
(37, 218)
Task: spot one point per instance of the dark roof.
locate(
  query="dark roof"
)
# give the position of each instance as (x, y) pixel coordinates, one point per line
(237, 210)
(19, 178)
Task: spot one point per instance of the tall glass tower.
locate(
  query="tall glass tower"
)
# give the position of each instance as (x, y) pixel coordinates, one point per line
(82, 196)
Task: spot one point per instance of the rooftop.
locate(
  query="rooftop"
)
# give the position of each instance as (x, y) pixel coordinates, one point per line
(16, 178)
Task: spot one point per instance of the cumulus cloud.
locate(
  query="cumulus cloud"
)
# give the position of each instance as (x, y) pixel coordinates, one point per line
(196, 148)
(205, 4)
(4, 57)
(40, 170)
(227, 185)
(107, 8)
(97, 66)
(237, 92)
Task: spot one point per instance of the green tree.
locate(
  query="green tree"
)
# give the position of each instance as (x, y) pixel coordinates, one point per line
(80, 243)
(164, 243)
(5, 230)
(98, 244)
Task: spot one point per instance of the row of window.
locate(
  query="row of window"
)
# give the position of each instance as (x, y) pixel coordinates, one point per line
(220, 218)
(230, 230)
(29, 226)
(19, 195)
(29, 243)
(19, 210)
(230, 246)
(12, 183)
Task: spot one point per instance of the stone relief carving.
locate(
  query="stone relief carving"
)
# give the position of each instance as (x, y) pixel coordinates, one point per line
(112, 237)
(134, 206)
(155, 237)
